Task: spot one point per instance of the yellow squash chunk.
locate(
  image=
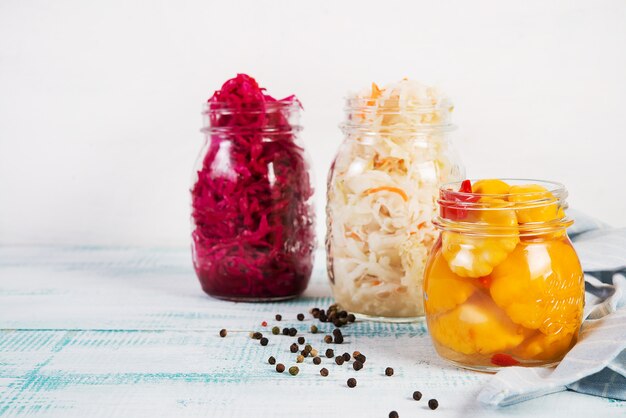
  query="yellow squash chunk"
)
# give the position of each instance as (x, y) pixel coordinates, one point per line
(540, 286)
(546, 210)
(494, 186)
(443, 290)
(477, 326)
(545, 347)
(477, 255)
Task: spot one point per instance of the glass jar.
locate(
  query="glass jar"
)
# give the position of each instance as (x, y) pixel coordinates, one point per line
(252, 211)
(382, 191)
(503, 285)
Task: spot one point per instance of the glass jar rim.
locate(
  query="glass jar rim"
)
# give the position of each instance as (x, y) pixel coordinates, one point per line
(364, 103)
(453, 201)
(364, 115)
(289, 108)
(555, 188)
(226, 131)
(224, 108)
(396, 131)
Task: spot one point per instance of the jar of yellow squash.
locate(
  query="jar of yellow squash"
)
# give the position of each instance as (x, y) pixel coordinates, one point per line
(503, 285)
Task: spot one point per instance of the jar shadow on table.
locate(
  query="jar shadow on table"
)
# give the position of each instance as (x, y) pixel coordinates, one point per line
(390, 342)
(304, 303)
(411, 346)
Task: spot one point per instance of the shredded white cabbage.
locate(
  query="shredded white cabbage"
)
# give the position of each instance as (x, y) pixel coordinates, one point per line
(382, 193)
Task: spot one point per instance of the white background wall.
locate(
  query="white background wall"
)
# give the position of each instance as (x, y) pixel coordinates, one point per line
(99, 101)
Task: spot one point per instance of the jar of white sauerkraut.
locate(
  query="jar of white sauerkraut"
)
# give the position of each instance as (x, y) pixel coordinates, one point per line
(382, 192)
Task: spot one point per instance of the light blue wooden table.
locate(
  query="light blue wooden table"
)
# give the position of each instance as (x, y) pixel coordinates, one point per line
(126, 332)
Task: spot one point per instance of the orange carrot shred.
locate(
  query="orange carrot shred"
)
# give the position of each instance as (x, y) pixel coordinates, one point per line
(376, 91)
(388, 189)
(355, 236)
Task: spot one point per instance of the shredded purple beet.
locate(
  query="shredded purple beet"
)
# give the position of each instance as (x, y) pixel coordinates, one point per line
(254, 234)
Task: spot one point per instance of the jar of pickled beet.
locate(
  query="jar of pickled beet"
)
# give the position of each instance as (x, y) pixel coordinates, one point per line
(253, 234)
(382, 192)
(503, 285)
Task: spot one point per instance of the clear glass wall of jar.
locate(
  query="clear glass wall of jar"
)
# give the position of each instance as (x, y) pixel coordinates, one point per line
(252, 211)
(503, 285)
(382, 191)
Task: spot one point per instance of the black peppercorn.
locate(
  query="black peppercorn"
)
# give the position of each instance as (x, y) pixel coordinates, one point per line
(305, 353)
(351, 382)
(330, 353)
(328, 339)
(279, 317)
(351, 318)
(417, 395)
(389, 371)
(271, 360)
(315, 312)
(336, 332)
(393, 414)
(342, 314)
(300, 340)
(257, 335)
(223, 333)
(357, 365)
(293, 332)
(317, 360)
(346, 357)
(264, 341)
(293, 348)
(324, 371)
(285, 331)
(338, 339)
(355, 354)
(313, 329)
(339, 360)
(433, 404)
(280, 367)
(275, 330)
(293, 370)
(361, 358)
(322, 317)
(300, 317)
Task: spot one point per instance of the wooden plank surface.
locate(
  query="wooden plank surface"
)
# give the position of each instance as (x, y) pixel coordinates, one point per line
(90, 332)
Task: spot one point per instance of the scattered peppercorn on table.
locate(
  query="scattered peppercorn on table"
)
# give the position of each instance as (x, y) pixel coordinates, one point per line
(88, 332)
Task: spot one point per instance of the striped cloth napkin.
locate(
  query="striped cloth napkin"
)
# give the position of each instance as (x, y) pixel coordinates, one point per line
(597, 363)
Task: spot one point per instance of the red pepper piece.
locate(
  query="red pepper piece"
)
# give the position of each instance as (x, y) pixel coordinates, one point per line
(452, 211)
(503, 360)
(466, 186)
(485, 281)
(264, 323)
